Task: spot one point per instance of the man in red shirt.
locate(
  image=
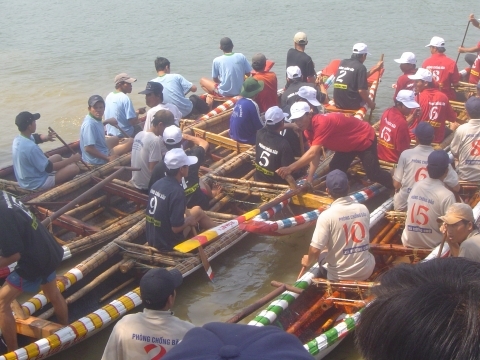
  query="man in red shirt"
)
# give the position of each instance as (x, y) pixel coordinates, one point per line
(346, 135)
(434, 105)
(473, 60)
(444, 70)
(268, 97)
(394, 136)
(408, 65)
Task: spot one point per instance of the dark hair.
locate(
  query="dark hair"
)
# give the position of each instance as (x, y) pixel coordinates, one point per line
(173, 146)
(435, 172)
(163, 116)
(161, 63)
(259, 66)
(441, 49)
(226, 48)
(425, 141)
(275, 127)
(171, 172)
(159, 305)
(358, 56)
(336, 194)
(427, 311)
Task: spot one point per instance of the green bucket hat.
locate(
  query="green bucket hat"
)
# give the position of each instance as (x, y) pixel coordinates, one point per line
(251, 87)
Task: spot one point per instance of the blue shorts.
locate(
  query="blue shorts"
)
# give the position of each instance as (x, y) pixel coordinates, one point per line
(30, 286)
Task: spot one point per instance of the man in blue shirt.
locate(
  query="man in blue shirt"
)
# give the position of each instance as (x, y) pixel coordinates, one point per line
(32, 168)
(245, 119)
(119, 106)
(228, 71)
(96, 149)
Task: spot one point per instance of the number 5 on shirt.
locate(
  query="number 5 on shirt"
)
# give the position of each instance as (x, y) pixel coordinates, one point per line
(420, 216)
(352, 234)
(264, 158)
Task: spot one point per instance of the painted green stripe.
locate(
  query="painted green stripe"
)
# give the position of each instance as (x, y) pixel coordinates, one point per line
(350, 323)
(313, 347)
(275, 309)
(287, 297)
(301, 284)
(332, 335)
(262, 320)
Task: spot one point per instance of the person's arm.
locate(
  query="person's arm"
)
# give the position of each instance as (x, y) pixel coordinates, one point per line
(40, 138)
(313, 166)
(472, 49)
(322, 90)
(311, 154)
(62, 163)
(197, 141)
(474, 21)
(189, 221)
(93, 151)
(366, 98)
(312, 256)
(192, 89)
(375, 68)
(397, 185)
(5, 261)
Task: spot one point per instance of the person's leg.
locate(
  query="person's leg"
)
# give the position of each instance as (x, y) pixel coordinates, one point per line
(55, 158)
(8, 293)
(470, 58)
(112, 141)
(204, 221)
(123, 147)
(56, 299)
(67, 173)
(369, 158)
(341, 161)
(208, 85)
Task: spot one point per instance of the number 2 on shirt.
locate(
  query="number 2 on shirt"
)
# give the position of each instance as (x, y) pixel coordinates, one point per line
(419, 217)
(352, 234)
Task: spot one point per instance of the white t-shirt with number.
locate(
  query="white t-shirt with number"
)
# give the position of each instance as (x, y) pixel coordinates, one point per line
(412, 167)
(465, 147)
(428, 200)
(343, 230)
(147, 148)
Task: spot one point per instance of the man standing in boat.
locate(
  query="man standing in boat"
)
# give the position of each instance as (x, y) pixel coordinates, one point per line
(96, 149)
(26, 241)
(154, 99)
(120, 107)
(296, 56)
(408, 65)
(33, 170)
(155, 331)
(343, 231)
(345, 135)
(167, 221)
(268, 97)
(350, 90)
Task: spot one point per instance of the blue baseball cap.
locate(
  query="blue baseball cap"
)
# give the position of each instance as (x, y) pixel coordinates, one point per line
(472, 105)
(222, 341)
(438, 159)
(337, 182)
(424, 131)
(92, 100)
(153, 87)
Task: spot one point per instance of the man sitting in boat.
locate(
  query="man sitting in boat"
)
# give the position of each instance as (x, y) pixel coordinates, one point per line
(167, 221)
(26, 241)
(343, 231)
(120, 107)
(412, 167)
(435, 107)
(33, 170)
(245, 118)
(408, 65)
(343, 134)
(296, 56)
(426, 311)
(350, 90)
(394, 136)
(154, 99)
(197, 192)
(155, 331)
(444, 70)
(428, 200)
(465, 145)
(228, 72)
(463, 236)
(96, 149)
(268, 97)
(272, 149)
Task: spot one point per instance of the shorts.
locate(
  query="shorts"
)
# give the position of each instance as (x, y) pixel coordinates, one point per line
(30, 286)
(49, 183)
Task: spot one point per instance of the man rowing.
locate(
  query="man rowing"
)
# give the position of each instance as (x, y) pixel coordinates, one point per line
(154, 99)
(408, 65)
(268, 97)
(297, 56)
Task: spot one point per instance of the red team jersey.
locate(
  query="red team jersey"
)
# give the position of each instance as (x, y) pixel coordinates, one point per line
(475, 70)
(436, 109)
(404, 83)
(394, 136)
(444, 72)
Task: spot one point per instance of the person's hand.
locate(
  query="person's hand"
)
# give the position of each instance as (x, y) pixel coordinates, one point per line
(76, 157)
(319, 80)
(191, 221)
(112, 121)
(141, 111)
(50, 137)
(443, 228)
(112, 157)
(283, 171)
(461, 49)
(372, 105)
(304, 261)
(454, 125)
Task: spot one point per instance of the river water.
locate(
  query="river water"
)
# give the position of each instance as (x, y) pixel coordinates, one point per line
(54, 55)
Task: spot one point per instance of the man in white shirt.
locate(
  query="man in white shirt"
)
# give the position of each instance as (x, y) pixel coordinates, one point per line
(412, 167)
(154, 99)
(155, 331)
(428, 200)
(342, 230)
(465, 145)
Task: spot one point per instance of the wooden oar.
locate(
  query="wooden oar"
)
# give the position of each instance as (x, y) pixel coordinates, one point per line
(441, 245)
(464, 36)
(68, 146)
(375, 92)
(122, 131)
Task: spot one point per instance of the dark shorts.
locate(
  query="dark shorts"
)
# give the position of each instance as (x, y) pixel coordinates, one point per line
(30, 286)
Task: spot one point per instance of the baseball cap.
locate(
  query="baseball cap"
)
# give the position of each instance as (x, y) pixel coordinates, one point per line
(360, 48)
(259, 60)
(437, 42)
(153, 87)
(422, 74)
(300, 38)
(123, 77)
(294, 72)
(298, 109)
(337, 182)
(407, 58)
(457, 212)
(225, 341)
(251, 87)
(176, 158)
(424, 131)
(172, 135)
(438, 159)
(274, 115)
(310, 94)
(158, 284)
(472, 105)
(92, 100)
(407, 98)
(226, 42)
(25, 118)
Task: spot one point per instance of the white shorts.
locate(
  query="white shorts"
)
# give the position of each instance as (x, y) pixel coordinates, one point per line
(49, 183)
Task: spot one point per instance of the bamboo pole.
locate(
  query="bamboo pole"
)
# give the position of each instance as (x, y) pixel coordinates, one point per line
(398, 250)
(381, 234)
(220, 216)
(68, 147)
(86, 206)
(393, 231)
(118, 288)
(375, 91)
(291, 288)
(151, 259)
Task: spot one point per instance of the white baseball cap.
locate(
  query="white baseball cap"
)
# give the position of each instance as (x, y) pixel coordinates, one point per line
(300, 38)
(422, 74)
(176, 158)
(407, 98)
(274, 115)
(360, 48)
(172, 135)
(310, 94)
(406, 58)
(294, 72)
(298, 109)
(437, 42)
